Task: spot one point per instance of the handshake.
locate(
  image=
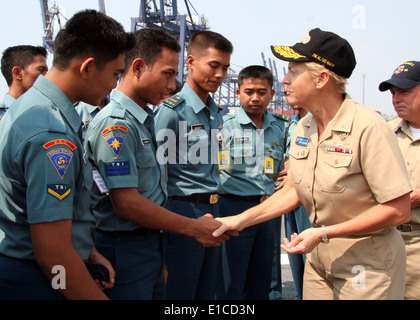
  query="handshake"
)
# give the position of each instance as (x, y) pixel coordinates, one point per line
(210, 231)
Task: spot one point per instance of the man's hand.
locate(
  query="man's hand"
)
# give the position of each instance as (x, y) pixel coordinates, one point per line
(415, 199)
(203, 231)
(96, 257)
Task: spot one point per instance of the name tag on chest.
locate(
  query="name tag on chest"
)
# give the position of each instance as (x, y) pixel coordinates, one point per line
(302, 141)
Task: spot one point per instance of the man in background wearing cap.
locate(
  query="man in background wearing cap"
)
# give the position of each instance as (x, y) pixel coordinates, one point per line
(334, 155)
(405, 89)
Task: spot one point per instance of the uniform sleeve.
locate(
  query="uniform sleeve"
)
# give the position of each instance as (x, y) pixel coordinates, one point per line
(382, 163)
(51, 164)
(112, 147)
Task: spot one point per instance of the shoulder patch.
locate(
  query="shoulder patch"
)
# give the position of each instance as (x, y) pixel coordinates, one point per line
(65, 142)
(174, 101)
(61, 156)
(59, 191)
(115, 137)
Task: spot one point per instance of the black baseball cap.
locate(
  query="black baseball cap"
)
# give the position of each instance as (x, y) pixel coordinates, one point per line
(406, 76)
(323, 47)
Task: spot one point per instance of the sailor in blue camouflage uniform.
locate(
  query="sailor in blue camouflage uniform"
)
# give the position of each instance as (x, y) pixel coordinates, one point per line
(187, 127)
(255, 150)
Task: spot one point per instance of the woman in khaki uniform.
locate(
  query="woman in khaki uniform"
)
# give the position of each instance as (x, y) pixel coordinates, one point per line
(339, 160)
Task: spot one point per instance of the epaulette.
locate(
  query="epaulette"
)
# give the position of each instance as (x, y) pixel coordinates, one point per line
(281, 117)
(115, 111)
(228, 117)
(173, 101)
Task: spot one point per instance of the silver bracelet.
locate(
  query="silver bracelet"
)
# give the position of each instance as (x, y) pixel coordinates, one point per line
(324, 239)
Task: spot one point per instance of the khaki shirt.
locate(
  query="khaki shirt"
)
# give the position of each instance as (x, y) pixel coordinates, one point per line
(410, 149)
(348, 170)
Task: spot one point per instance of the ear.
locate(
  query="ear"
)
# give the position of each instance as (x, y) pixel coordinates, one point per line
(273, 92)
(238, 91)
(190, 61)
(17, 73)
(323, 79)
(137, 66)
(86, 66)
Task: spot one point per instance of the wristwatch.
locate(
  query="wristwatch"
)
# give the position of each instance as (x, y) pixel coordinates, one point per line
(324, 239)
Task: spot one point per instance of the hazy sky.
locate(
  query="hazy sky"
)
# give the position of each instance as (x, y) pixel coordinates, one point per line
(383, 33)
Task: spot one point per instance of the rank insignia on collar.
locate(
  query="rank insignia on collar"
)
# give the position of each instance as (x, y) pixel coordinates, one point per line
(115, 140)
(61, 159)
(59, 191)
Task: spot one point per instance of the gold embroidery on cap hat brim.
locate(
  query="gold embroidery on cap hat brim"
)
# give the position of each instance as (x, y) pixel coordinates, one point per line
(287, 52)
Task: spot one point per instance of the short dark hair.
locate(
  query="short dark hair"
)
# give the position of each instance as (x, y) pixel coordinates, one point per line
(203, 40)
(255, 72)
(19, 56)
(149, 45)
(91, 33)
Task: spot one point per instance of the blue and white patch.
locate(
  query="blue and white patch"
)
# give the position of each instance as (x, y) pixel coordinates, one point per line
(302, 141)
(115, 141)
(61, 159)
(121, 168)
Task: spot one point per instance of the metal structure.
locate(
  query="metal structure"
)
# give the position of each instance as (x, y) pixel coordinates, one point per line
(278, 103)
(164, 14)
(49, 17)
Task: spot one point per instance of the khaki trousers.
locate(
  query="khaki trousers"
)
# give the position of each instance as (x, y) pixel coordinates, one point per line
(357, 268)
(412, 246)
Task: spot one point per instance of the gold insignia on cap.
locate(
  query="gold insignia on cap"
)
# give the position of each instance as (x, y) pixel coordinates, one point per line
(306, 39)
(287, 52)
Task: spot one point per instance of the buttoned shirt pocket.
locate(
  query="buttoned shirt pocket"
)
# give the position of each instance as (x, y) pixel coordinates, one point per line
(278, 157)
(145, 162)
(332, 172)
(242, 157)
(298, 162)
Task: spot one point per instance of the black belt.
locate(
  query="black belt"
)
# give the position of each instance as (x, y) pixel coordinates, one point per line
(257, 199)
(198, 197)
(408, 227)
(135, 232)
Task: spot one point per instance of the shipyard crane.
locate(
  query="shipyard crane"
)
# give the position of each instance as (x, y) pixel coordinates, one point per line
(163, 14)
(278, 103)
(49, 16)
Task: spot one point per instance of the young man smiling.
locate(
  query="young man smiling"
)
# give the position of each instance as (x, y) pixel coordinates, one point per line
(121, 146)
(193, 187)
